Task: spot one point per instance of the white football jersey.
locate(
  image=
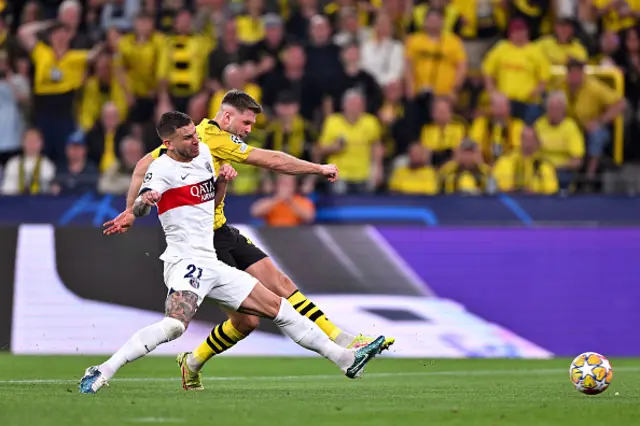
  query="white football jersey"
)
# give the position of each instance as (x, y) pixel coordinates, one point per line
(187, 204)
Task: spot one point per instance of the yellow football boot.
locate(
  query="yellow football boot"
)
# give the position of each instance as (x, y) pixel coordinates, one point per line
(361, 340)
(190, 380)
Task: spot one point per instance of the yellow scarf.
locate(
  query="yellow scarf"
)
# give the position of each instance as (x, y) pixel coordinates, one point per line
(109, 154)
(33, 184)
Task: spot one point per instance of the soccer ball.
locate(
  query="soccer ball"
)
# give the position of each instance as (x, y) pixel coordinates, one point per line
(591, 373)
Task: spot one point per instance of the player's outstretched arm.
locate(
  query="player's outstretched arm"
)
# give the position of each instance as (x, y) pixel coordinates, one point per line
(284, 163)
(124, 220)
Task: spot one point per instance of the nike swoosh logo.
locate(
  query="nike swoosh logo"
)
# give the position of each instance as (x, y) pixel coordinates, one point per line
(185, 176)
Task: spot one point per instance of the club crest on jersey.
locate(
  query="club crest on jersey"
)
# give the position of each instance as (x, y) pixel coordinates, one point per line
(208, 166)
(194, 282)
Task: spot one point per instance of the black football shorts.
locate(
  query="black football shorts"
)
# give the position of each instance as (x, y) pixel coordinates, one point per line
(235, 249)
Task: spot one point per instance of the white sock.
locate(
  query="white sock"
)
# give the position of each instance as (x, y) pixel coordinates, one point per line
(305, 333)
(141, 343)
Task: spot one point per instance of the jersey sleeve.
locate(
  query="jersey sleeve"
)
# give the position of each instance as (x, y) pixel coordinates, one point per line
(228, 147)
(156, 179)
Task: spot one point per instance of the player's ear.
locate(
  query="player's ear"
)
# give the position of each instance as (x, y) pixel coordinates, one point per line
(166, 143)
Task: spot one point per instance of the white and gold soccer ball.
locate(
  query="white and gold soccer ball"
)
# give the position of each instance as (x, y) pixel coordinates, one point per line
(591, 373)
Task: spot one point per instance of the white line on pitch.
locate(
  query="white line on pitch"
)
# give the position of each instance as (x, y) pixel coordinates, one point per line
(324, 376)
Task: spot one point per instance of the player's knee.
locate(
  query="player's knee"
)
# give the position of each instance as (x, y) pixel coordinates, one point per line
(172, 328)
(245, 324)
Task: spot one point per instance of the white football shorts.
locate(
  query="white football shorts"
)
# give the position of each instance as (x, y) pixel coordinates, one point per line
(224, 284)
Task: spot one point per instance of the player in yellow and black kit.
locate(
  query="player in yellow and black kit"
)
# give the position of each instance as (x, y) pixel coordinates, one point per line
(224, 136)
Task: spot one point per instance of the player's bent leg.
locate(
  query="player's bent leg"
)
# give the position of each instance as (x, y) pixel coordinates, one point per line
(280, 284)
(304, 332)
(223, 337)
(243, 323)
(275, 280)
(180, 307)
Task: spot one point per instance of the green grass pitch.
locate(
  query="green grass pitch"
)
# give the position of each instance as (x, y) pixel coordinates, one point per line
(243, 391)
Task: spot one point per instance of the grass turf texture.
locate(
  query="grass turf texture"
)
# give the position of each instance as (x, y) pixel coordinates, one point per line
(277, 391)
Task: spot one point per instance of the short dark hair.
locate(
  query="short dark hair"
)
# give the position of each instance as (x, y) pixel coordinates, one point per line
(574, 63)
(241, 101)
(170, 122)
(292, 44)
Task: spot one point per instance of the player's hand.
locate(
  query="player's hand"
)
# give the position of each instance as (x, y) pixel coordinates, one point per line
(150, 198)
(330, 171)
(120, 224)
(227, 172)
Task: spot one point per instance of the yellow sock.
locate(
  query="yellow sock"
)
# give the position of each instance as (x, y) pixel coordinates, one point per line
(222, 337)
(307, 308)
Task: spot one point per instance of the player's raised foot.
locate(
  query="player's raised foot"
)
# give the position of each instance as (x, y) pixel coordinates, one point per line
(363, 356)
(92, 380)
(190, 380)
(361, 340)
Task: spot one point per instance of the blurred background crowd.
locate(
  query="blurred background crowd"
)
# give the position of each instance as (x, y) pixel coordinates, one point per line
(414, 97)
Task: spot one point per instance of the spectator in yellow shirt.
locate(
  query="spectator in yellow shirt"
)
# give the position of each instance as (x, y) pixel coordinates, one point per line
(518, 69)
(137, 56)
(102, 87)
(525, 170)
(182, 64)
(561, 140)
(58, 73)
(562, 45)
(250, 24)
(417, 177)
(452, 18)
(436, 63)
(594, 105)
(351, 140)
(444, 134)
(617, 15)
(466, 173)
(498, 132)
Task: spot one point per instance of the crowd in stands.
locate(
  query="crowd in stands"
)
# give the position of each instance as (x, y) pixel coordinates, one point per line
(413, 97)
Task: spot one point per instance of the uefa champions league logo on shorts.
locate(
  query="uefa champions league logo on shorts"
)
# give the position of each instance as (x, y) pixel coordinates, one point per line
(194, 282)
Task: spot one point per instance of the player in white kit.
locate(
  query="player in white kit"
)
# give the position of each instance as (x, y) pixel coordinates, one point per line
(181, 184)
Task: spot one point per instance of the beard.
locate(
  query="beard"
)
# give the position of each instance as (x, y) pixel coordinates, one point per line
(187, 153)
